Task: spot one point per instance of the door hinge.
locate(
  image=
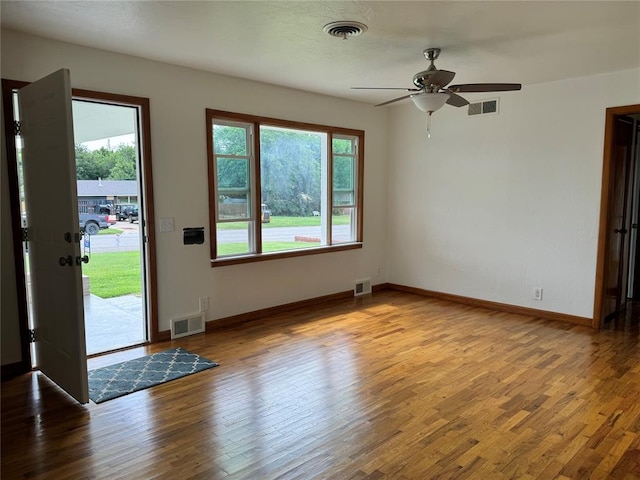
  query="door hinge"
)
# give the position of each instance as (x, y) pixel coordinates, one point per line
(25, 238)
(32, 336)
(17, 127)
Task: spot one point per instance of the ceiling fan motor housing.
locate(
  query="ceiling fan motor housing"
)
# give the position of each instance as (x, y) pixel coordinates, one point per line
(432, 91)
(421, 79)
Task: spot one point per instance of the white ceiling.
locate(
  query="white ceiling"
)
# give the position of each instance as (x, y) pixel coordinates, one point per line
(97, 121)
(282, 42)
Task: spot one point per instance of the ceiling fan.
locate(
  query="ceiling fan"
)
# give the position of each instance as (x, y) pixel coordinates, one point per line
(431, 91)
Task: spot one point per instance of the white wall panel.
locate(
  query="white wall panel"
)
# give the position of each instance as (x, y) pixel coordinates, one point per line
(492, 206)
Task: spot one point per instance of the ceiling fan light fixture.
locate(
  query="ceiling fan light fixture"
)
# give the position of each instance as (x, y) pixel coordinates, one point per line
(430, 102)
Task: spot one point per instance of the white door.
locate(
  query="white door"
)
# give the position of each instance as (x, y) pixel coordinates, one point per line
(46, 128)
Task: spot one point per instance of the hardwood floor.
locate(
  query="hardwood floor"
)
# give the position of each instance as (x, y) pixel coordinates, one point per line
(626, 321)
(393, 386)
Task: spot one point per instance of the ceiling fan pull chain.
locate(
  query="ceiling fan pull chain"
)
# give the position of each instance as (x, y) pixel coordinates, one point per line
(429, 124)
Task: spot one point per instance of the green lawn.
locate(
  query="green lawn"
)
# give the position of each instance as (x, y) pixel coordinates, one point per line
(114, 274)
(277, 222)
(110, 231)
(240, 248)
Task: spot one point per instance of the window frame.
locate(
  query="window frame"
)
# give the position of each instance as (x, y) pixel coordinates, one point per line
(255, 186)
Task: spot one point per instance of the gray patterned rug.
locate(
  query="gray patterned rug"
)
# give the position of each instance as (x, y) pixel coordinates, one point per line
(114, 381)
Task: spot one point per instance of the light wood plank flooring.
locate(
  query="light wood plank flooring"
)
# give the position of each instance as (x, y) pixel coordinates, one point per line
(394, 386)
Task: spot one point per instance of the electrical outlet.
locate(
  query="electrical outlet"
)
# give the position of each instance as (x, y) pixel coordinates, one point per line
(537, 293)
(204, 304)
(379, 272)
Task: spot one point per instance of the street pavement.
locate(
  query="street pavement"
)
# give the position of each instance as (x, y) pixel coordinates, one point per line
(130, 238)
(127, 241)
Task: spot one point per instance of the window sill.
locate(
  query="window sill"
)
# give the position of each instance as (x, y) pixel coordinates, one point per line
(261, 257)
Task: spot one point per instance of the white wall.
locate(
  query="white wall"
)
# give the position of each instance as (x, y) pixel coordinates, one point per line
(178, 98)
(491, 207)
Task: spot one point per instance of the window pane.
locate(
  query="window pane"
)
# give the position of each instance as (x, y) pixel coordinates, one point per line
(343, 145)
(291, 176)
(275, 245)
(229, 140)
(233, 206)
(343, 173)
(343, 225)
(343, 198)
(289, 233)
(233, 173)
(233, 238)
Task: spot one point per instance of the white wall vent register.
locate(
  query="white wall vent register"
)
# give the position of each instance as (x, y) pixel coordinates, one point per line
(485, 107)
(362, 287)
(189, 325)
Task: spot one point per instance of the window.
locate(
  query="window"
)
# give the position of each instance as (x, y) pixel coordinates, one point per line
(279, 188)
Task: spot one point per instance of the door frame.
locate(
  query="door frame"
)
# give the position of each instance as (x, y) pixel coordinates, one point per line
(8, 86)
(149, 235)
(635, 291)
(603, 238)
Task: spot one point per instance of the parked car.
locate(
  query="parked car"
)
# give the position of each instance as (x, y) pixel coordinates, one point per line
(91, 223)
(123, 210)
(265, 214)
(133, 215)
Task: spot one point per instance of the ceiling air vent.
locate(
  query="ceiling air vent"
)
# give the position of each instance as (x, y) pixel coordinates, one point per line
(345, 29)
(486, 107)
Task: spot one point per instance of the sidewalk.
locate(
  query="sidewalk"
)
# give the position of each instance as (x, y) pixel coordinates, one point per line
(113, 323)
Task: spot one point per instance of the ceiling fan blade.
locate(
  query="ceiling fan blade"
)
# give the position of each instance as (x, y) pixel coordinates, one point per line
(395, 100)
(485, 87)
(456, 100)
(386, 88)
(442, 78)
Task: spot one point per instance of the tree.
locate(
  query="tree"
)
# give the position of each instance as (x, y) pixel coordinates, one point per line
(125, 163)
(290, 162)
(90, 165)
(291, 171)
(119, 164)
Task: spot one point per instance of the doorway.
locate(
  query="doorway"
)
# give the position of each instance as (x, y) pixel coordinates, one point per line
(94, 121)
(618, 267)
(108, 170)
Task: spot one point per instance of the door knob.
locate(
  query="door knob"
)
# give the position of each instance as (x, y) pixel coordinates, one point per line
(68, 260)
(81, 260)
(620, 230)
